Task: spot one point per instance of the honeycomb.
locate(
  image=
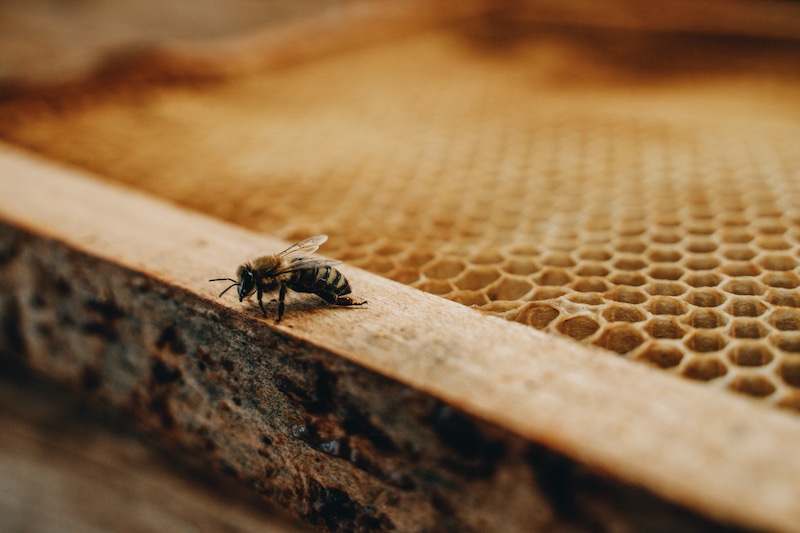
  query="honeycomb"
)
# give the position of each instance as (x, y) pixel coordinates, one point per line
(632, 192)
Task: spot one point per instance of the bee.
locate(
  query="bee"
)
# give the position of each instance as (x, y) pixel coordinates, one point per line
(292, 269)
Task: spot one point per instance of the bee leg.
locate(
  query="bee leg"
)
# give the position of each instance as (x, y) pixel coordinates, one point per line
(338, 299)
(347, 301)
(281, 306)
(261, 303)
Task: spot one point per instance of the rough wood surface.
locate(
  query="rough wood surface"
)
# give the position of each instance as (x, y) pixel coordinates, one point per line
(63, 468)
(413, 413)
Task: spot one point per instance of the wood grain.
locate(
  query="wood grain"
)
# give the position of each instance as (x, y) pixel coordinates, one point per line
(76, 247)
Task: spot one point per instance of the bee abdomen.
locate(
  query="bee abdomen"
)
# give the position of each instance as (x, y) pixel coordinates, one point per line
(326, 280)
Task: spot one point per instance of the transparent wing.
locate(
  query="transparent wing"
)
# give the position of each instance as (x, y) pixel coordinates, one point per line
(307, 263)
(306, 247)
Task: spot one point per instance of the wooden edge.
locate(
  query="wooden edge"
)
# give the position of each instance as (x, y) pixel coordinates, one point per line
(721, 455)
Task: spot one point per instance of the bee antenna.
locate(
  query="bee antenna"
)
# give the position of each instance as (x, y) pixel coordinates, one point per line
(235, 283)
(229, 288)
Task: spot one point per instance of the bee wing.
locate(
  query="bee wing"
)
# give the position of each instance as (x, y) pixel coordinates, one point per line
(306, 247)
(307, 263)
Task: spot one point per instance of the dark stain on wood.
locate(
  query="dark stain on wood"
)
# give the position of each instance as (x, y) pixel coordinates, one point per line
(555, 477)
(164, 372)
(332, 508)
(475, 455)
(170, 339)
(90, 379)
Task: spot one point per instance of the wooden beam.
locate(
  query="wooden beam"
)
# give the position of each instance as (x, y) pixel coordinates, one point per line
(406, 413)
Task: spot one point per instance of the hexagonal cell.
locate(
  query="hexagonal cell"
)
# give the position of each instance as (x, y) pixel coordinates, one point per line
(520, 265)
(666, 272)
(407, 276)
(524, 250)
(558, 259)
(738, 252)
(663, 305)
(667, 219)
(381, 265)
(548, 293)
(704, 369)
(747, 328)
(773, 242)
(389, 248)
(665, 255)
(703, 279)
(736, 236)
(701, 246)
(476, 277)
(416, 258)
(623, 313)
(620, 338)
(744, 287)
(771, 227)
(627, 295)
(594, 253)
(701, 227)
(751, 307)
(666, 288)
(789, 371)
(664, 327)
(757, 386)
(593, 284)
(509, 288)
(632, 227)
(706, 319)
(579, 327)
(631, 246)
(587, 298)
(469, 297)
(486, 257)
(777, 262)
(750, 354)
(662, 356)
(630, 263)
(788, 342)
(739, 269)
(535, 314)
(553, 276)
(704, 341)
(435, 286)
(781, 280)
(705, 297)
(592, 269)
(666, 237)
(701, 262)
(786, 319)
(444, 268)
(783, 298)
(634, 279)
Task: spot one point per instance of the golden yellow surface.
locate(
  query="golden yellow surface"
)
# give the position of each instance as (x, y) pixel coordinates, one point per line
(640, 194)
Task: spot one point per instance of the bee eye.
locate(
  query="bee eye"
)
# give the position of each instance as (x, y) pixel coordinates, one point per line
(246, 284)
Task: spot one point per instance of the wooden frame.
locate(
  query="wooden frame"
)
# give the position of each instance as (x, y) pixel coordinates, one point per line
(106, 289)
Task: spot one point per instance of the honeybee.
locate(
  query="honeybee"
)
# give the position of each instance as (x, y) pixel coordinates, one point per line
(293, 269)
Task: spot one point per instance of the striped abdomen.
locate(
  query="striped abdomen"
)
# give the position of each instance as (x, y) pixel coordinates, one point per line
(325, 282)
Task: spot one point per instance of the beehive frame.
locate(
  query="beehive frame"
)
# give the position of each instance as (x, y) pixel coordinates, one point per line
(666, 239)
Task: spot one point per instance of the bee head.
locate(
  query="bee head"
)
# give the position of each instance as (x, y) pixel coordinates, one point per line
(247, 281)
